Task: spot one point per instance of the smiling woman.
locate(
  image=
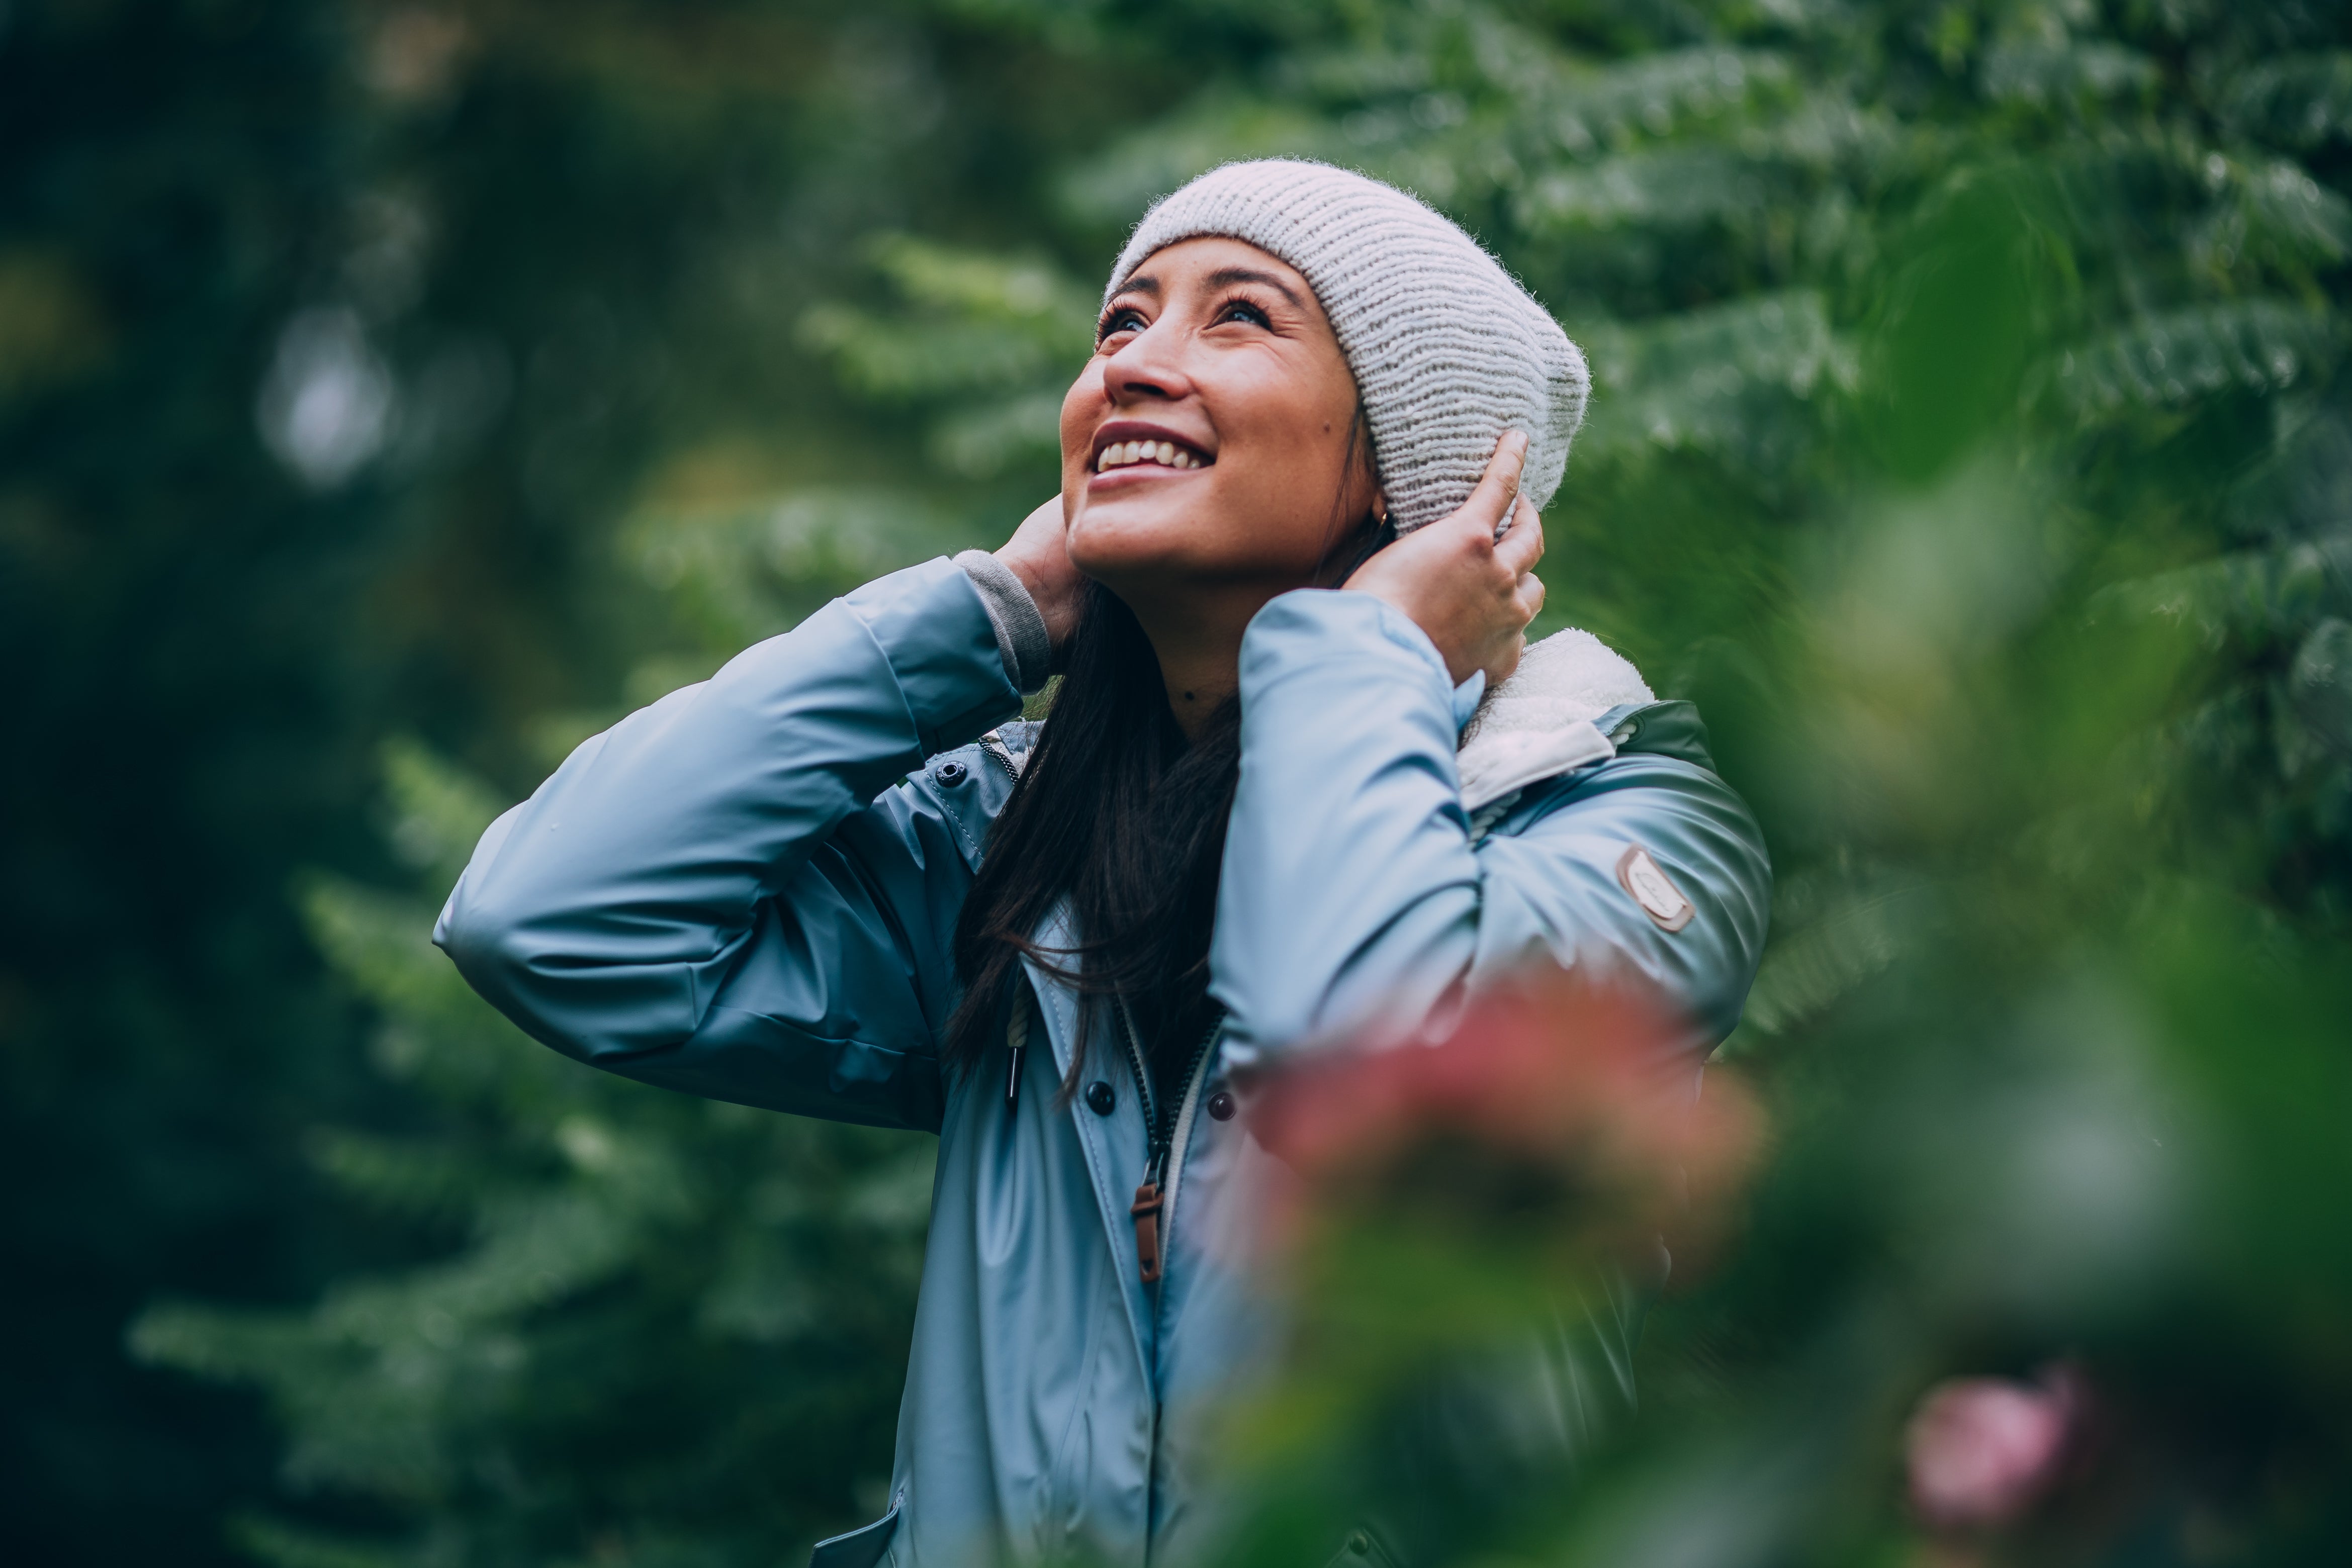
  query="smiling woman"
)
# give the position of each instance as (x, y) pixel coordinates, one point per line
(1219, 353)
(1212, 457)
(1297, 778)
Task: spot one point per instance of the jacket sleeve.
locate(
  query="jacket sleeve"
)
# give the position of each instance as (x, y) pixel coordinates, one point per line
(1352, 887)
(710, 897)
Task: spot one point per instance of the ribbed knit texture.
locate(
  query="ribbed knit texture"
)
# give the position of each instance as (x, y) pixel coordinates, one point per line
(1022, 640)
(1448, 351)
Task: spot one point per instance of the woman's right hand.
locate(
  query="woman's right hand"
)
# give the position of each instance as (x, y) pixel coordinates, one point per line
(1039, 554)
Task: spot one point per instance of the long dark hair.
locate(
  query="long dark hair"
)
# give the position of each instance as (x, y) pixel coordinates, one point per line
(1117, 810)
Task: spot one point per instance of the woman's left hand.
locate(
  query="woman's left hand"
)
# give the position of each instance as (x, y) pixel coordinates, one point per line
(1473, 593)
(1039, 554)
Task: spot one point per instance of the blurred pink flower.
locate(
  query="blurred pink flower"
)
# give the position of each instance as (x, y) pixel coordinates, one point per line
(1589, 1081)
(1983, 1451)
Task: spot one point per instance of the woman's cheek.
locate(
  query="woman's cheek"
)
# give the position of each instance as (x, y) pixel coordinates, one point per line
(1082, 409)
(1289, 503)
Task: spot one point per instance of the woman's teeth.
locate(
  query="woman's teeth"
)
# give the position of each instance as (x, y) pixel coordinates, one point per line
(1167, 453)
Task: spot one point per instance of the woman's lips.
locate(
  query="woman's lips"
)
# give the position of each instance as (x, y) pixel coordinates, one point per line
(1136, 475)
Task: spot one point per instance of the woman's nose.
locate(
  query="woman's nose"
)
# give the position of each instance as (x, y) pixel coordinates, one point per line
(1148, 366)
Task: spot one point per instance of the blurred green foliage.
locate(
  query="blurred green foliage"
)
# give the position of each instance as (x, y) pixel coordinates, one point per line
(1971, 439)
(649, 1305)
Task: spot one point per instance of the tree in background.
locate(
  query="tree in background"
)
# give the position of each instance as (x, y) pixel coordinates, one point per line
(188, 712)
(1969, 439)
(663, 1330)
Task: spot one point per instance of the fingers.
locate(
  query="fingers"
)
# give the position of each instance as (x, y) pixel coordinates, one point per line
(1039, 554)
(1469, 581)
(1498, 487)
(1523, 545)
(1046, 523)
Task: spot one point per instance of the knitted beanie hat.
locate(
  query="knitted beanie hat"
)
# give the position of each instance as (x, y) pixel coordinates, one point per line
(1447, 351)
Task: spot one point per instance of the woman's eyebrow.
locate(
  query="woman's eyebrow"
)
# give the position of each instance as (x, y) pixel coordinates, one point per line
(1226, 277)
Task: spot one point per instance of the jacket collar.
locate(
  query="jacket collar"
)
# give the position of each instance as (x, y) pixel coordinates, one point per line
(1536, 725)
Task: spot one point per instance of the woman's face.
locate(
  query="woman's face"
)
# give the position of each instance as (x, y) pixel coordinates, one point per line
(1207, 444)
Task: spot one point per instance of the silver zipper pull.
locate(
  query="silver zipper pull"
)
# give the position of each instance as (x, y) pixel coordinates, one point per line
(1016, 1039)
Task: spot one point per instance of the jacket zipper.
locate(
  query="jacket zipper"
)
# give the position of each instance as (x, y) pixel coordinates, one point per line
(994, 745)
(1148, 1211)
(1016, 1028)
(1187, 1112)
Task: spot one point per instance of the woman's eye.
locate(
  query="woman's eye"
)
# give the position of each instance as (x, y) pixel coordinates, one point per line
(1120, 321)
(1243, 311)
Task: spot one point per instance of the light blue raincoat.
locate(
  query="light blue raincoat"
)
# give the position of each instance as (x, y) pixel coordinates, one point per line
(748, 890)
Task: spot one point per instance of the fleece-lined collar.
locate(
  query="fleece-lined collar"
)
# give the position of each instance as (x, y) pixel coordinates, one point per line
(1539, 724)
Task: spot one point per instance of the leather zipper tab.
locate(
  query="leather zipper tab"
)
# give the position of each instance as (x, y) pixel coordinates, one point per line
(1159, 1126)
(1146, 1211)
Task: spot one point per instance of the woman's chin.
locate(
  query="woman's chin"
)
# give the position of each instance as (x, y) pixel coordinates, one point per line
(1119, 536)
(1147, 544)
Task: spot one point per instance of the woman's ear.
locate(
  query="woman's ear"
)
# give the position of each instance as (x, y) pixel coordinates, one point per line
(1373, 534)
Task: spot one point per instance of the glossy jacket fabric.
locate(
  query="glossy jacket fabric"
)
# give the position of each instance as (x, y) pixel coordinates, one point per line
(748, 891)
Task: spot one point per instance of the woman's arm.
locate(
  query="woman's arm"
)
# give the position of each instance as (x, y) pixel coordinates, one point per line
(1351, 888)
(710, 896)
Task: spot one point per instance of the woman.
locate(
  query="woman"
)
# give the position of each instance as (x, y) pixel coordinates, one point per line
(822, 883)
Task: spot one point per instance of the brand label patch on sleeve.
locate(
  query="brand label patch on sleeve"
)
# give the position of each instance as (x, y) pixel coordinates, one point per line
(1660, 899)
